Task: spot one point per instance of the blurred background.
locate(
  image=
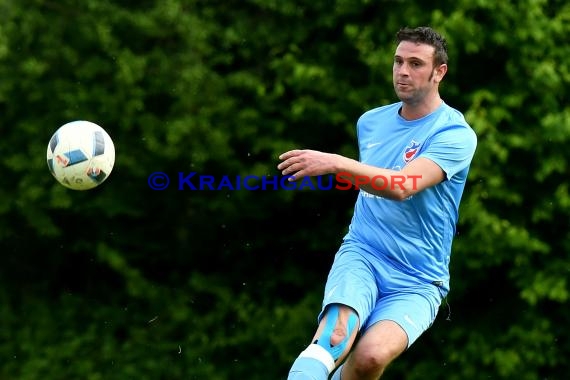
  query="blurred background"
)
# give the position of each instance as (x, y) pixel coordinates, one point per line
(124, 282)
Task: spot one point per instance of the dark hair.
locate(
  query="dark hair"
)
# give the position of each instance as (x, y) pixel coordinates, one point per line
(426, 35)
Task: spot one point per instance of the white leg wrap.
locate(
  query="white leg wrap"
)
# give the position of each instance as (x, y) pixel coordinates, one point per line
(317, 352)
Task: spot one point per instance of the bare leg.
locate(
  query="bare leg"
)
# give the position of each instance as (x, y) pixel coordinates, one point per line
(377, 348)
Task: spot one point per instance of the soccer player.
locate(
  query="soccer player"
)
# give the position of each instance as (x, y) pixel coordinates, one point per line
(391, 272)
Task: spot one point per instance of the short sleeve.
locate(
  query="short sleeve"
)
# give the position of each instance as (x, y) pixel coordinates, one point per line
(452, 149)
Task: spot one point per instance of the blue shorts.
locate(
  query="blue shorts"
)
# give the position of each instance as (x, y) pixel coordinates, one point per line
(378, 291)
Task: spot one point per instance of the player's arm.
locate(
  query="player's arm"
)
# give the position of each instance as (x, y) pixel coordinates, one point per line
(418, 175)
(399, 185)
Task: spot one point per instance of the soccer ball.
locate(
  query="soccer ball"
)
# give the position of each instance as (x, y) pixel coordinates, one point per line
(80, 155)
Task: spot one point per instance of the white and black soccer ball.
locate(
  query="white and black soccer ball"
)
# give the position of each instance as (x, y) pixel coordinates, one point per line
(81, 155)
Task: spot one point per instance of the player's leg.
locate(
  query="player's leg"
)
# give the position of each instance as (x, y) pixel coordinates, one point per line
(377, 348)
(350, 295)
(330, 345)
(394, 326)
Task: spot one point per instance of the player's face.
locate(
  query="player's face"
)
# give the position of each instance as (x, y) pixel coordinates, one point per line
(414, 74)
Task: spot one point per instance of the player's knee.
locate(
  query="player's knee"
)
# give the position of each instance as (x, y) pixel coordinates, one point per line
(339, 335)
(339, 326)
(372, 361)
(341, 329)
(368, 366)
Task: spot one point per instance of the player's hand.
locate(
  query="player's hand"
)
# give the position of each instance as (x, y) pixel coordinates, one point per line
(302, 163)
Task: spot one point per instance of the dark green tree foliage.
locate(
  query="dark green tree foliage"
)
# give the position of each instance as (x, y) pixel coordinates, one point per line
(127, 282)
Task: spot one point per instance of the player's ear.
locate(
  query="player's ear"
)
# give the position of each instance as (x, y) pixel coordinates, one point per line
(439, 72)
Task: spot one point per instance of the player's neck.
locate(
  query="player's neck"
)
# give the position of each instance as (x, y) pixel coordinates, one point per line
(414, 111)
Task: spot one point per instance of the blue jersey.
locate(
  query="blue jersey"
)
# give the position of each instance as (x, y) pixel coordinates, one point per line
(414, 235)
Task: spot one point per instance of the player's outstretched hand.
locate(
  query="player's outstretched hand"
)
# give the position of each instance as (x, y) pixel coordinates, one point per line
(302, 163)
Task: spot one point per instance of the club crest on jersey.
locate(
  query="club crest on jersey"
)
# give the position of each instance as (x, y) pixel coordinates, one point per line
(411, 150)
